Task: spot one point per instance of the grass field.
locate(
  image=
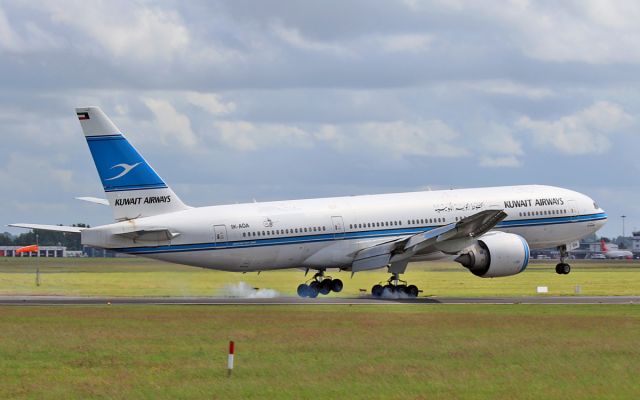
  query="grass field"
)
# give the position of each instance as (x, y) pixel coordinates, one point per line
(328, 352)
(140, 277)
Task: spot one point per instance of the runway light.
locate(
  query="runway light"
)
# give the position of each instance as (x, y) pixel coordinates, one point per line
(231, 354)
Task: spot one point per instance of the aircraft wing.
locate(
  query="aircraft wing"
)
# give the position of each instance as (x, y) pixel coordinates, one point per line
(448, 239)
(54, 228)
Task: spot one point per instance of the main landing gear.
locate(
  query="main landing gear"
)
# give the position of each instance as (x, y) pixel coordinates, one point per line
(319, 284)
(563, 268)
(394, 287)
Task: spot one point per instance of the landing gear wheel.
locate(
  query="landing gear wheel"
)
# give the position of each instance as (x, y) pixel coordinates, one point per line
(563, 268)
(303, 290)
(337, 285)
(377, 290)
(412, 291)
(314, 289)
(389, 290)
(325, 286)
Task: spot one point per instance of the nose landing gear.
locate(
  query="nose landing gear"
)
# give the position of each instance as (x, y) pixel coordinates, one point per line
(394, 288)
(319, 284)
(563, 268)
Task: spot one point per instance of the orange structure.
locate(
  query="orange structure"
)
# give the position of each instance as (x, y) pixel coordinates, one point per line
(28, 249)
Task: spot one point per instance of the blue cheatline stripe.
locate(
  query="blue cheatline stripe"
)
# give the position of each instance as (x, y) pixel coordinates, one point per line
(136, 187)
(328, 237)
(526, 254)
(104, 137)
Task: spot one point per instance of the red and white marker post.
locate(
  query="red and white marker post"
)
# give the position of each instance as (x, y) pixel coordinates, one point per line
(231, 354)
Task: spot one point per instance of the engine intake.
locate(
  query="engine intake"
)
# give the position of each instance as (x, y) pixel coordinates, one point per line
(496, 254)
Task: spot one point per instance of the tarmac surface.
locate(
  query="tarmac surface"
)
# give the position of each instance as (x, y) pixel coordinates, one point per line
(68, 301)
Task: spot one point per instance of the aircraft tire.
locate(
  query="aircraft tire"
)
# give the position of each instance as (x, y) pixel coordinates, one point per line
(390, 289)
(325, 286)
(337, 285)
(303, 290)
(376, 291)
(314, 290)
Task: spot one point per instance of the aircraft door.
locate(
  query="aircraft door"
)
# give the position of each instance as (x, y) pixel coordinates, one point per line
(338, 227)
(219, 233)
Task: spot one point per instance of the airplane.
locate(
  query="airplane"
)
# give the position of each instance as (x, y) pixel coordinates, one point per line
(489, 231)
(614, 252)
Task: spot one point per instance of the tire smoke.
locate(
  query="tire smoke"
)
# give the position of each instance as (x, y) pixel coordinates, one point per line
(245, 291)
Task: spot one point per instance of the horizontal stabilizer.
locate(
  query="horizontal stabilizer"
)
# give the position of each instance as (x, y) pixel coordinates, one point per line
(54, 228)
(95, 200)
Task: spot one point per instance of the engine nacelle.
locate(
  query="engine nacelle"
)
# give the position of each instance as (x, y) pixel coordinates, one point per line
(496, 254)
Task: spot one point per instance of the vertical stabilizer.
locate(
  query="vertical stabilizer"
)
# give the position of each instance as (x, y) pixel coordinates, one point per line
(133, 188)
(603, 246)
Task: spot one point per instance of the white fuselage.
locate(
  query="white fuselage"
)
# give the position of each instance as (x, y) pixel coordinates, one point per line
(325, 233)
(618, 254)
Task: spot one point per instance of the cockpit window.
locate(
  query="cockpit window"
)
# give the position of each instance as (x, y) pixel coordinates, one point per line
(595, 205)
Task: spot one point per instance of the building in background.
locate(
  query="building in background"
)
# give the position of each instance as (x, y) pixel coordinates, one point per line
(45, 251)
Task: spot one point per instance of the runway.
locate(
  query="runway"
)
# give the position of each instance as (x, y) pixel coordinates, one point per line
(70, 301)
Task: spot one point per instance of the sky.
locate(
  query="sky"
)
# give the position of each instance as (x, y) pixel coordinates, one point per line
(236, 101)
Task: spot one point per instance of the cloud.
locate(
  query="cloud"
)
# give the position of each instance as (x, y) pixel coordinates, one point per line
(211, 103)
(500, 162)
(31, 38)
(25, 173)
(424, 138)
(246, 136)
(428, 138)
(588, 131)
(294, 38)
(497, 147)
(171, 126)
(589, 31)
(411, 43)
(125, 30)
(510, 88)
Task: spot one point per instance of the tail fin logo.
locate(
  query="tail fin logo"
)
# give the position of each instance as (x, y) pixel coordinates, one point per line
(126, 168)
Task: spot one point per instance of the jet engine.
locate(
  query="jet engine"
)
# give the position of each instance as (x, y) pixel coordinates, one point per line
(496, 254)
